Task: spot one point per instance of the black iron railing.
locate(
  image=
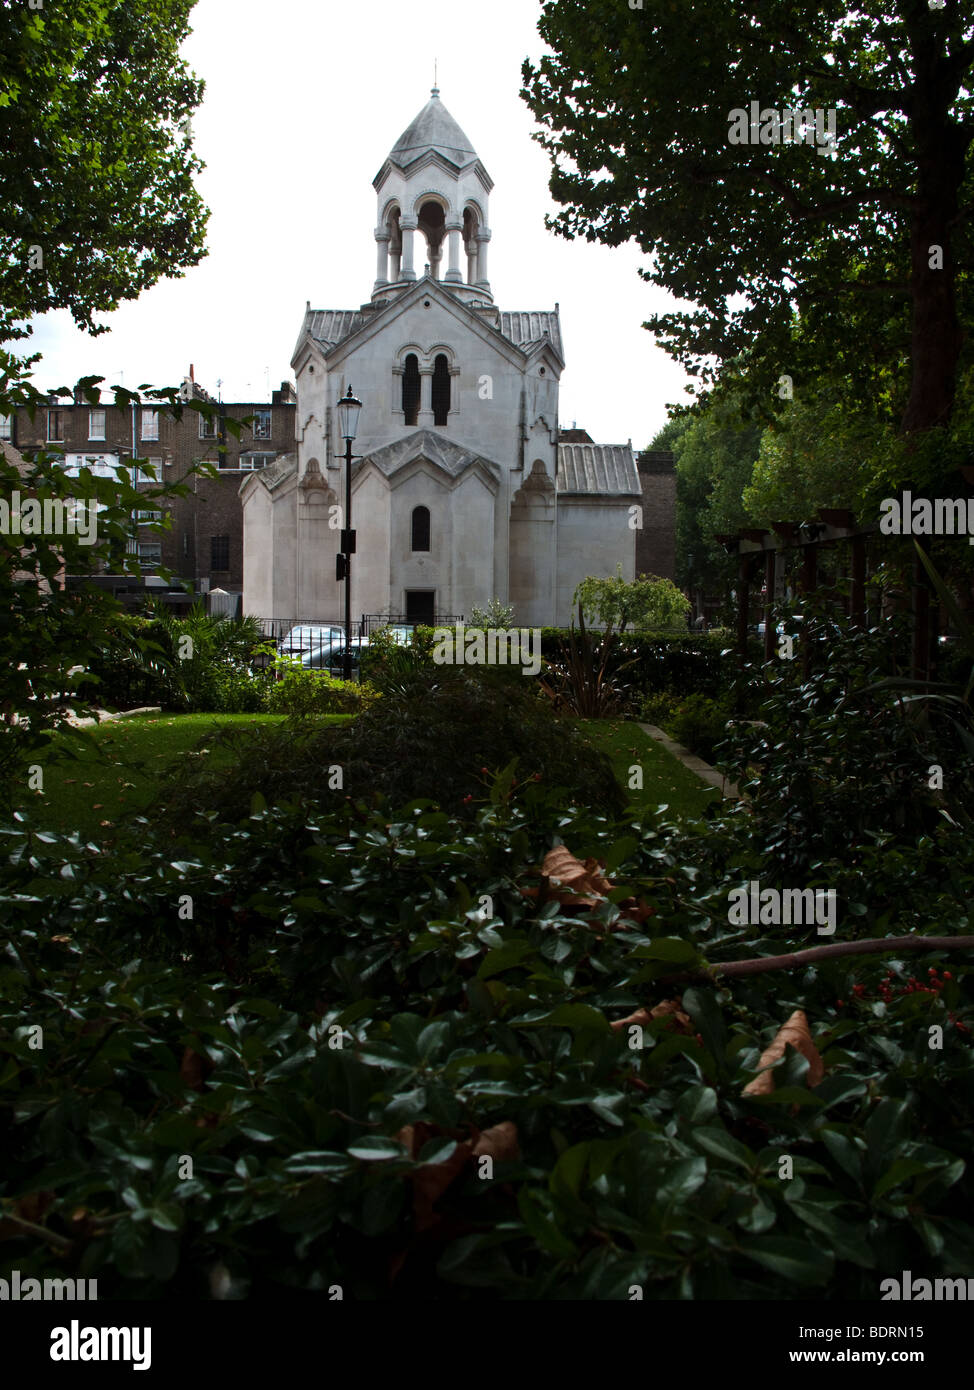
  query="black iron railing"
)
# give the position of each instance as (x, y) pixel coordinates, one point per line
(371, 621)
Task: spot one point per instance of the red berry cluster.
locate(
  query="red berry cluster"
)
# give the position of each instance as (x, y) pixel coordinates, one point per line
(935, 983)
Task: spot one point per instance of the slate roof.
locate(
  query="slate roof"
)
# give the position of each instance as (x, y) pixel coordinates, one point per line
(433, 129)
(526, 328)
(331, 326)
(609, 469)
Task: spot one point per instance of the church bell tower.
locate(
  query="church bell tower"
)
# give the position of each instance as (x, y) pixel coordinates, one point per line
(432, 195)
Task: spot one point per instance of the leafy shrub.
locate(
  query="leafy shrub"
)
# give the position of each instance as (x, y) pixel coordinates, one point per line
(387, 665)
(657, 708)
(237, 690)
(133, 665)
(700, 724)
(369, 1018)
(585, 678)
(303, 692)
(433, 738)
(681, 664)
(192, 662)
(647, 601)
(840, 765)
(496, 614)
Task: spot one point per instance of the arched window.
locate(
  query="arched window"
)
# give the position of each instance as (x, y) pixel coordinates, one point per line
(421, 528)
(441, 389)
(410, 389)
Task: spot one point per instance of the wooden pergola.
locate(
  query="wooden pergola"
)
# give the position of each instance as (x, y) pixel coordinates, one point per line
(763, 550)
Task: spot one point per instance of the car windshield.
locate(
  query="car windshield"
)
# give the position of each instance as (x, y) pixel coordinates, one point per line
(302, 638)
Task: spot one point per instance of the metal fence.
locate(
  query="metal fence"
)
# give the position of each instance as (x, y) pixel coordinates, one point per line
(301, 631)
(295, 636)
(371, 621)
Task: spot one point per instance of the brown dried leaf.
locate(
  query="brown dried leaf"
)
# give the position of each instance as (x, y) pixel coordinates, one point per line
(670, 1008)
(193, 1069)
(582, 885)
(795, 1033)
(432, 1179)
(499, 1142)
(34, 1206)
(636, 909)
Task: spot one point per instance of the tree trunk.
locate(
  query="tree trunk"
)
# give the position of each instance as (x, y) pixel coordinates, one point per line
(941, 149)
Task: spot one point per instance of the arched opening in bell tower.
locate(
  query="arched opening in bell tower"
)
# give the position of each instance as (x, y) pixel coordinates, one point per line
(432, 224)
(471, 226)
(395, 245)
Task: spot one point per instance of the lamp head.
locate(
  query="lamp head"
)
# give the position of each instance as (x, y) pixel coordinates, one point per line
(349, 408)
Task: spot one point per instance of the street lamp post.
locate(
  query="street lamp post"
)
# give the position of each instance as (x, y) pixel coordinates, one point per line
(348, 412)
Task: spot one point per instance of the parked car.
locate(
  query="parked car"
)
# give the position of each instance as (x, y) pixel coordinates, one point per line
(308, 637)
(319, 656)
(779, 627)
(333, 659)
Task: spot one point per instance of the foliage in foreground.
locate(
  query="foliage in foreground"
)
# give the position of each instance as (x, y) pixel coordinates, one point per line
(334, 1007)
(362, 1000)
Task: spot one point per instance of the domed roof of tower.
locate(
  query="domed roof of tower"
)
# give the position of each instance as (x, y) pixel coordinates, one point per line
(433, 129)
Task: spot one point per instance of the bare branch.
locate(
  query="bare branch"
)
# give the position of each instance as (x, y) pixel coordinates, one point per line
(875, 946)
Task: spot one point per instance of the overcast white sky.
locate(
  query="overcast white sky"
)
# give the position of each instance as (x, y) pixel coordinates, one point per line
(304, 99)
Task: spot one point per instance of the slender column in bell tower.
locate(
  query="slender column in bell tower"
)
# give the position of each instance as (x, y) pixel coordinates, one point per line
(381, 258)
(408, 227)
(454, 232)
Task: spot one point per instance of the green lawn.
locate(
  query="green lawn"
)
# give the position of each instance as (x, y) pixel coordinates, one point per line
(112, 770)
(95, 780)
(665, 779)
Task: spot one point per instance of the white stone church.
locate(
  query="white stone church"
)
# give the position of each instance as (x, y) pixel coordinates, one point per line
(461, 491)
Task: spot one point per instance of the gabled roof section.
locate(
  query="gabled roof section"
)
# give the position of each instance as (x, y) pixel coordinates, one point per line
(452, 458)
(274, 474)
(329, 329)
(528, 328)
(608, 470)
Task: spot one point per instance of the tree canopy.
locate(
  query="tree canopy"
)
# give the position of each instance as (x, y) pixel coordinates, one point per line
(795, 253)
(715, 457)
(96, 159)
(646, 602)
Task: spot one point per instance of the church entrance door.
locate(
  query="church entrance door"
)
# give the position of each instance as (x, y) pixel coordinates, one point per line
(420, 605)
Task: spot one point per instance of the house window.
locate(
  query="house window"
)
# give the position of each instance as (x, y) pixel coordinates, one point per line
(150, 552)
(153, 469)
(6, 426)
(421, 528)
(441, 389)
(207, 427)
(96, 424)
(247, 462)
(148, 518)
(262, 424)
(410, 389)
(55, 426)
(150, 423)
(219, 552)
